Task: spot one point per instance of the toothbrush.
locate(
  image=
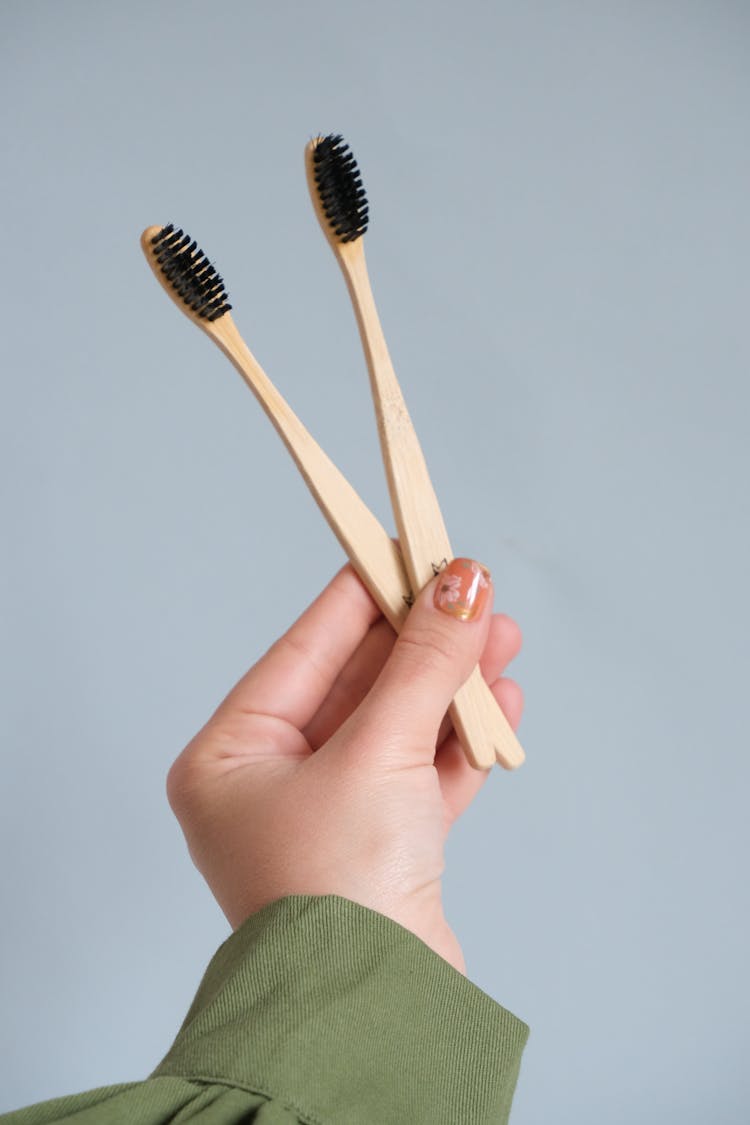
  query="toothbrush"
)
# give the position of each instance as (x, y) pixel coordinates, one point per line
(198, 291)
(340, 203)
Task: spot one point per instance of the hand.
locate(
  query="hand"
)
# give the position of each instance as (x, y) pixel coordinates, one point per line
(332, 768)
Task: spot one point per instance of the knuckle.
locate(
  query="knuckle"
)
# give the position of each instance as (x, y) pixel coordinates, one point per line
(427, 644)
(176, 786)
(182, 783)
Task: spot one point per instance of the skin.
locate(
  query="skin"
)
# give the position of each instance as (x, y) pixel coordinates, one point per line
(332, 768)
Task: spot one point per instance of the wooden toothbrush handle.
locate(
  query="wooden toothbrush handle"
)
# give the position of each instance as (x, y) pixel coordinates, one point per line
(474, 712)
(373, 554)
(484, 731)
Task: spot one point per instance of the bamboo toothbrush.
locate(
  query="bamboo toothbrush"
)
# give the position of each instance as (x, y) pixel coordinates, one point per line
(198, 291)
(340, 204)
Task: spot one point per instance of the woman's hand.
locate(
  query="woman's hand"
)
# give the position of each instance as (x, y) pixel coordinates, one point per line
(331, 767)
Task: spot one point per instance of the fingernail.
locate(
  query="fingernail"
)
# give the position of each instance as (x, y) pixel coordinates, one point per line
(462, 589)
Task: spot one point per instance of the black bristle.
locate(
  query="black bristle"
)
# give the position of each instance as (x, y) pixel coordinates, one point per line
(339, 185)
(163, 233)
(189, 272)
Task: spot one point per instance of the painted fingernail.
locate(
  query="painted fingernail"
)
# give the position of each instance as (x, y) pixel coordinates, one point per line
(462, 589)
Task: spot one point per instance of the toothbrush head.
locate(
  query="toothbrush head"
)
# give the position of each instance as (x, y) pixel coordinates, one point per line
(336, 187)
(185, 272)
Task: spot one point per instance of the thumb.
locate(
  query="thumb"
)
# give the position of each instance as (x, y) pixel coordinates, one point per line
(435, 652)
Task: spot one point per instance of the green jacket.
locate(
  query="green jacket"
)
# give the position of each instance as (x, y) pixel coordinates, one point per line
(321, 1011)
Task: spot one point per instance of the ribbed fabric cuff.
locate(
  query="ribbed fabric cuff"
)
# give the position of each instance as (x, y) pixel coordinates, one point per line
(346, 1017)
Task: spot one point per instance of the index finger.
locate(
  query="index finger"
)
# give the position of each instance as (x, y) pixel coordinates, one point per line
(293, 678)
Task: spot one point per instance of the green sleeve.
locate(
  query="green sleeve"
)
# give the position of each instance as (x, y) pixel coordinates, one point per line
(319, 1010)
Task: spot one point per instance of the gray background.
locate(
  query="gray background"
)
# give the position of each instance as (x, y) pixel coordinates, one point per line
(559, 247)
